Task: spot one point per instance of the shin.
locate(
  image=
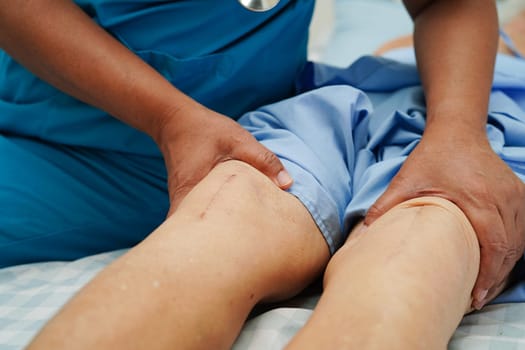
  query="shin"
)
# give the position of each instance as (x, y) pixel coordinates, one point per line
(403, 283)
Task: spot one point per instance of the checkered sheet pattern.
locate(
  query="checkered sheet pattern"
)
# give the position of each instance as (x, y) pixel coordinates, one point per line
(31, 294)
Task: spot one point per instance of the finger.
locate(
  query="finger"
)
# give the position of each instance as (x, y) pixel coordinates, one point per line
(497, 288)
(512, 222)
(266, 162)
(393, 195)
(178, 191)
(493, 248)
(490, 262)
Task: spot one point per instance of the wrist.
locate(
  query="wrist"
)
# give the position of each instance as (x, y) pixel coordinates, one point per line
(175, 120)
(456, 132)
(169, 117)
(458, 120)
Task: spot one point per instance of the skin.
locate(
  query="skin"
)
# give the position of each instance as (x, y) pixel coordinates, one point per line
(456, 78)
(192, 283)
(454, 159)
(402, 283)
(107, 75)
(425, 243)
(515, 28)
(182, 287)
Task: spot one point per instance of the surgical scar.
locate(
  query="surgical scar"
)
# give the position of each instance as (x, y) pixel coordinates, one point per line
(216, 196)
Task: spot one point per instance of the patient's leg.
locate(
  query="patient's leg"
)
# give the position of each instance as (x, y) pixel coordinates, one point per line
(403, 283)
(234, 241)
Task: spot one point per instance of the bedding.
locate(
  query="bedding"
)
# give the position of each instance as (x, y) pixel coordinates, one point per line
(30, 294)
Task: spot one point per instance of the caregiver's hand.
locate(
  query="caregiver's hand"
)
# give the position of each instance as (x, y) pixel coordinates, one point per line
(462, 168)
(195, 139)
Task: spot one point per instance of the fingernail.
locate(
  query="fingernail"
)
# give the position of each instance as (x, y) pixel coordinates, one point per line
(283, 178)
(478, 304)
(479, 300)
(482, 294)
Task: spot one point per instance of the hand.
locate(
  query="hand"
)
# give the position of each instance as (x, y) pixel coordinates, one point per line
(465, 170)
(196, 139)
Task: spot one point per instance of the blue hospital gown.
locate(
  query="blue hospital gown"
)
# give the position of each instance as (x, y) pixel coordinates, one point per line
(348, 134)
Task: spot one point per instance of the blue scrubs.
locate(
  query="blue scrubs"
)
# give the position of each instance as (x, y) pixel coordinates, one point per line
(75, 181)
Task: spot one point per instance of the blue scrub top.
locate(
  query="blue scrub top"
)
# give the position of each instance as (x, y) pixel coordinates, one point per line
(228, 58)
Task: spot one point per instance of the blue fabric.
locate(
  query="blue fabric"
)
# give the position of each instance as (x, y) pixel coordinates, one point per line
(63, 202)
(226, 57)
(317, 136)
(73, 180)
(343, 146)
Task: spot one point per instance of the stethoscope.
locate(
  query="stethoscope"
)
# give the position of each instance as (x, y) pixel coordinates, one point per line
(259, 5)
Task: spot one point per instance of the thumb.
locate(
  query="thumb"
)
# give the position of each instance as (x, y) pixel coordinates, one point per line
(390, 198)
(269, 164)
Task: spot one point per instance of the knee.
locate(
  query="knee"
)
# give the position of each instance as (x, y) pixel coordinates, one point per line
(243, 174)
(444, 221)
(444, 213)
(426, 224)
(262, 206)
(266, 228)
(231, 188)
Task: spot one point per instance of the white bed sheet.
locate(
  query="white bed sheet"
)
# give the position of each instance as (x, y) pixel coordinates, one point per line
(31, 294)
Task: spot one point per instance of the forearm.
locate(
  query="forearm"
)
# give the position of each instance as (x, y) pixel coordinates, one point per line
(456, 43)
(59, 43)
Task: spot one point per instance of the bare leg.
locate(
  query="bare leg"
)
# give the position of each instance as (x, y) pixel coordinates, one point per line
(234, 241)
(403, 283)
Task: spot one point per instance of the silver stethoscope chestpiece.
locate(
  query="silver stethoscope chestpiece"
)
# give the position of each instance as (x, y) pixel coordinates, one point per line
(259, 5)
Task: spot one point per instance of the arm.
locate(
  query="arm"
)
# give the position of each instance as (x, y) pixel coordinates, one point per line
(455, 43)
(62, 45)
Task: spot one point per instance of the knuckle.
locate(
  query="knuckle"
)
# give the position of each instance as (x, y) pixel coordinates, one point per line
(267, 158)
(500, 247)
(374, 211)
(513, 254)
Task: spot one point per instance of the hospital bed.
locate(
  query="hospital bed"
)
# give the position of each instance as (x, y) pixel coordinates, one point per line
(31, 294)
